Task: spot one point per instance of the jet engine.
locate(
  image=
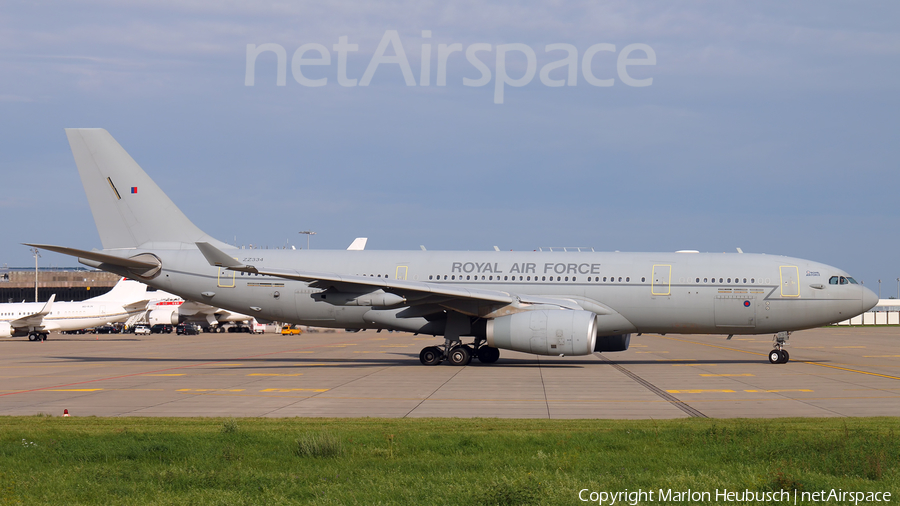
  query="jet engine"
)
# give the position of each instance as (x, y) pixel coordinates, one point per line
(545, 332)
(163, 316)
(613, 343)
(6, 329)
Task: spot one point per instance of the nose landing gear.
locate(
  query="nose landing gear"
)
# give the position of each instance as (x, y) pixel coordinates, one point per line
(780, 355)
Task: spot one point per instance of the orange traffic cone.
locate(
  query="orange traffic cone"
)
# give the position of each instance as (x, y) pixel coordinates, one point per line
(65, 413)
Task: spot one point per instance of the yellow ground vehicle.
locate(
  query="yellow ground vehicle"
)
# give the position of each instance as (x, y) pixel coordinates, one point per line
(291, 330)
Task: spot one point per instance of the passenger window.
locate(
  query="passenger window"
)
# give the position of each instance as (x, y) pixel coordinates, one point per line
(720, 280)
(704, 280)
(627, 279)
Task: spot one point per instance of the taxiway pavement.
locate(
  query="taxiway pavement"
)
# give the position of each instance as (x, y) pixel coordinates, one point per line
(838, 371)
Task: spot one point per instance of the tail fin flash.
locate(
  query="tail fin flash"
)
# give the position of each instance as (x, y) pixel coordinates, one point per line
(129, 209)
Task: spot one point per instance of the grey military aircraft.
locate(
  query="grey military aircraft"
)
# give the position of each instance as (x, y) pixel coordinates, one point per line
(545, 303)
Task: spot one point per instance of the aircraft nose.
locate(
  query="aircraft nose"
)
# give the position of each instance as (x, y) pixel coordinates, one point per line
(869, 299)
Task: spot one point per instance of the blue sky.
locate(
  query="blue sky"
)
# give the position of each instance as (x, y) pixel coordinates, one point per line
(769, 126)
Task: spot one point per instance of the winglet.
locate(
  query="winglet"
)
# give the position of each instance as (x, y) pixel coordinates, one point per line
(218, 258)
(47, 307)
(358, 244)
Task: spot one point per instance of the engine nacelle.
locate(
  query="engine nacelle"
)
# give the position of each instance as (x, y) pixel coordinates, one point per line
(163, 317)
(545, 332)
(613, 343)
(6, 329)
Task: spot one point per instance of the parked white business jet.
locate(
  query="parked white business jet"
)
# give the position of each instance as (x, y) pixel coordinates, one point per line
(546, 303)
(37, 319)
(170, 309)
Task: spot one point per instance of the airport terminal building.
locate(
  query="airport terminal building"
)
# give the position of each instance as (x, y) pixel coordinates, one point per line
(68, 283)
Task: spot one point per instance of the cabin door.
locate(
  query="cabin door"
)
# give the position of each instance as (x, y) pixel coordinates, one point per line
(790, 281)
(660, 282)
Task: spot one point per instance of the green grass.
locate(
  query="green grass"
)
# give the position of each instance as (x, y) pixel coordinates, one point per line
(51, 460)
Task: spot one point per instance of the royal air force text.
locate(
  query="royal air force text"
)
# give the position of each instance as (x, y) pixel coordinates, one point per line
(524, 268)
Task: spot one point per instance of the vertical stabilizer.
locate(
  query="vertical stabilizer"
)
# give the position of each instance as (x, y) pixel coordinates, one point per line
(129, 209)
(125, 292)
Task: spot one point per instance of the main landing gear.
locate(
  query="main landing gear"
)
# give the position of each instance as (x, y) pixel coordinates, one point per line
(780, 355)
(457, 353)
(37, 336)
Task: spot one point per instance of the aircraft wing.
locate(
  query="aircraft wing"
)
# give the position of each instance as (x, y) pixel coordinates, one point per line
(410, 290)
(35, 319)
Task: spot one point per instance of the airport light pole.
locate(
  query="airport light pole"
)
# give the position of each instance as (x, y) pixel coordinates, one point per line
(879, 289)
(36, 256)
(308, 233)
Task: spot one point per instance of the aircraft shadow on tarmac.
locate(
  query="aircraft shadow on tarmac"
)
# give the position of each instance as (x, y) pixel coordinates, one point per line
(401, 359)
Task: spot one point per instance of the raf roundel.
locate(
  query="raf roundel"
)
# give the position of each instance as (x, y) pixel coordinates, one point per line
(746, 303)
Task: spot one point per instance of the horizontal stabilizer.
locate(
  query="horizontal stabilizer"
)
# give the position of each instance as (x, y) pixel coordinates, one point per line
(98, 257)
(136, 306)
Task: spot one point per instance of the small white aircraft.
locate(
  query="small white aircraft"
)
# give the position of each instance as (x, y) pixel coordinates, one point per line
(37, 319)
(169, 309)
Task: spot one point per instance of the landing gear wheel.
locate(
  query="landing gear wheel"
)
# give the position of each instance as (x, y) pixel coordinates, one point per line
(431, 355)
(775, 356)
(460, 355)
(488, 354)
(32, 337)
(43, 337)
(785, 356)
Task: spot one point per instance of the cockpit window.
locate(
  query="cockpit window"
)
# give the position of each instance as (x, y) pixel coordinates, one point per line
(852, 281)
(833, 280)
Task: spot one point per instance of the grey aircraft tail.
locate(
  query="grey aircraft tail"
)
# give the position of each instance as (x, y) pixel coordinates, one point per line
(129, 209)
